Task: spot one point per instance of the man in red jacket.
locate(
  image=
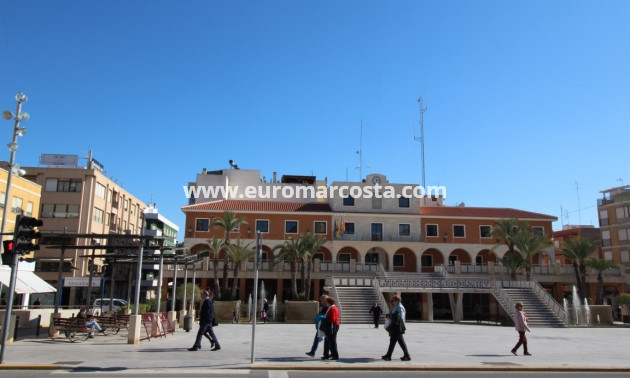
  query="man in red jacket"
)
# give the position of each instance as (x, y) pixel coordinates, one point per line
(332, 317)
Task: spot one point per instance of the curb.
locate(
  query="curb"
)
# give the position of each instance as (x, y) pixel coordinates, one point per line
(444, 368)
(30, 367)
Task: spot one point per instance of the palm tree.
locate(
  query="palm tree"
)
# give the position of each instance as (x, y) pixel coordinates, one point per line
(215, 244)
(513, 262)
(311, 244)
(578, 250)
(600, 265)
(238, 253)
(290, 251)
(530, 244)
(505, 230)
(229, 223)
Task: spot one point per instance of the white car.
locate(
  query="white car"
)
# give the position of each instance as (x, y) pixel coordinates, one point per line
(105, 304)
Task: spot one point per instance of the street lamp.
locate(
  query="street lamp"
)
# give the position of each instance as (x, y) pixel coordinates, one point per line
(13, 146)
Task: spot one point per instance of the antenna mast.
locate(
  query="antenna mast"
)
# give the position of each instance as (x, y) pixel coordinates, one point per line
(360, 152)
(421, 138)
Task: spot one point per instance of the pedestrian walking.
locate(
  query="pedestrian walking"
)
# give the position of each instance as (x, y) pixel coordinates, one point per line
(206, 318)
(376, 312)
(520, 323)
(331, 330)
(397, 330)
(478, 312)
(321, 315)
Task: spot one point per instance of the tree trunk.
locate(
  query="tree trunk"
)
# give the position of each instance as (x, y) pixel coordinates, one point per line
(226, 260)
(294, 291)
(528, 273)
(215, 269)
(583, 293)
(513, 275)
(307, 287)
(600, 290)
(235, 284)
(303, 276)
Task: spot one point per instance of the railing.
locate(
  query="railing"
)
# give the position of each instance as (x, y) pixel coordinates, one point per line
(380, 271)
(441, 269)
(353, 281)
(365, 267)
(335, 295)
(333, 266)
(381, 297)
(502, 297)
(550, 301)
(473, 268)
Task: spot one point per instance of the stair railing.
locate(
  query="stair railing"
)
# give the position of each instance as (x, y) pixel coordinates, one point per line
(380, 272)
(336, 295)
(550, 301)
(381, 297)
(502, 297)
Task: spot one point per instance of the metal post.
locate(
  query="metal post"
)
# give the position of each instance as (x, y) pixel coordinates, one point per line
(173, 299)
(9, 308)
(256, 259)
(184, 307)
(89, 288)
(159, 291)
(60, 279)
(139, 269)
(16, 128)
(192, 291)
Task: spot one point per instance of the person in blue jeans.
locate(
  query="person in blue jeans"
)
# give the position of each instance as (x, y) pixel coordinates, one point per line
(318, 319)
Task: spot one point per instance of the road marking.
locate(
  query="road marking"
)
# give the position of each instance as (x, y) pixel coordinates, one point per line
(278, 374)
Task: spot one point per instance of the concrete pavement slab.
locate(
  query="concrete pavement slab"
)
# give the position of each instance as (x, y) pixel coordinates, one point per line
(433, 346)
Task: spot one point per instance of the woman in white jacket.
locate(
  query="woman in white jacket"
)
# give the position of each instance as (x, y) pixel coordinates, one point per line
(520, 323)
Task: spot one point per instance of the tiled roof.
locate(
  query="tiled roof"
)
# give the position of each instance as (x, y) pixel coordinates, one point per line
(481, 212)
(240, 205)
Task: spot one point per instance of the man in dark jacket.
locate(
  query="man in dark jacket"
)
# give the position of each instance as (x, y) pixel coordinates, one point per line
(206, 316)
(376, 312)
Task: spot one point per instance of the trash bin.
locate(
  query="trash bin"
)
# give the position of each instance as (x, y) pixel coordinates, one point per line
(187, 323)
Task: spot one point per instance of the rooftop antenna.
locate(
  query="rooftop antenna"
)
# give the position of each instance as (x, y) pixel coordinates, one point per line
(577, 189)
(621, 181)
(420, 138)
(360, 151)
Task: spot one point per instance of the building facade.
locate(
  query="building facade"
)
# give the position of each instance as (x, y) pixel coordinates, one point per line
(398, 233)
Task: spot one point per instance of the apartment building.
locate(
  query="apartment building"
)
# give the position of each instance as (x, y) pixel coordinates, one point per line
(80, 200)
(614, 222)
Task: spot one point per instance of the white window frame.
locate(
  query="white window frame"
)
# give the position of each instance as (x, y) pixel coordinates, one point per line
(325, 227)
(262, 220)
(297, 228)
(489, 231)
(437, 230)
(459, 225)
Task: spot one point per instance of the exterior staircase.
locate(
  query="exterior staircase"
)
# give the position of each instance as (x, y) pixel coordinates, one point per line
(538, 313)
(355, 303)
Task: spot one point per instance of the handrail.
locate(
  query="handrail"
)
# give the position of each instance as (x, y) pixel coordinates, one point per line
(381, 297)
(336, 295)
(502, 297)
(381, 271)
(550, 301)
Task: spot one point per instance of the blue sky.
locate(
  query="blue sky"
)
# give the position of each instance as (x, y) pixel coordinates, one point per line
(524, 98)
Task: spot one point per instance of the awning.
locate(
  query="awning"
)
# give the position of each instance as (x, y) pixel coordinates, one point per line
(26, 283)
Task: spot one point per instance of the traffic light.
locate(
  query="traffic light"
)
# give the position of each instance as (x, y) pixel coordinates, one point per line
(7, 252)
(25, 233)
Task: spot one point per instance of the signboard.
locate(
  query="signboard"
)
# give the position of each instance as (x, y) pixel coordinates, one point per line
(81, 281)
(59, 160)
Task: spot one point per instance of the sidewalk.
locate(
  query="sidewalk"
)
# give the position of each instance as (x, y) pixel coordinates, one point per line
(433, 346)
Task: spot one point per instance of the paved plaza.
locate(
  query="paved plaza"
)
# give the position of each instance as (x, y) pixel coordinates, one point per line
(433, 346)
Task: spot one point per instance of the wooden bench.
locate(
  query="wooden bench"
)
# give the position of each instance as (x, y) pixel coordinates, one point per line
(114, 323)
(72, 328)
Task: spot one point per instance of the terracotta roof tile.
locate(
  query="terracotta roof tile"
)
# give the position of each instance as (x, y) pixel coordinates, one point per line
(481, 212)
(240, 205)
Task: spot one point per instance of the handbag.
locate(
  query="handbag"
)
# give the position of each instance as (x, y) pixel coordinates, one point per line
(214, 322)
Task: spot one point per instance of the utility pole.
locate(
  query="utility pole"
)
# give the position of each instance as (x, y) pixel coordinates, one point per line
(420, 138)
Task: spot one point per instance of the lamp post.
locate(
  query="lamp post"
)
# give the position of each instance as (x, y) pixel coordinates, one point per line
(13, 146)
(17, 130)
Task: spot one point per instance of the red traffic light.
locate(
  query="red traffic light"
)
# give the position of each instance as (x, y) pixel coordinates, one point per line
(8, 246)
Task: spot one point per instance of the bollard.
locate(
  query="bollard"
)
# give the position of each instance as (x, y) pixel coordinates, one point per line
(39, 323)
(15, 330)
